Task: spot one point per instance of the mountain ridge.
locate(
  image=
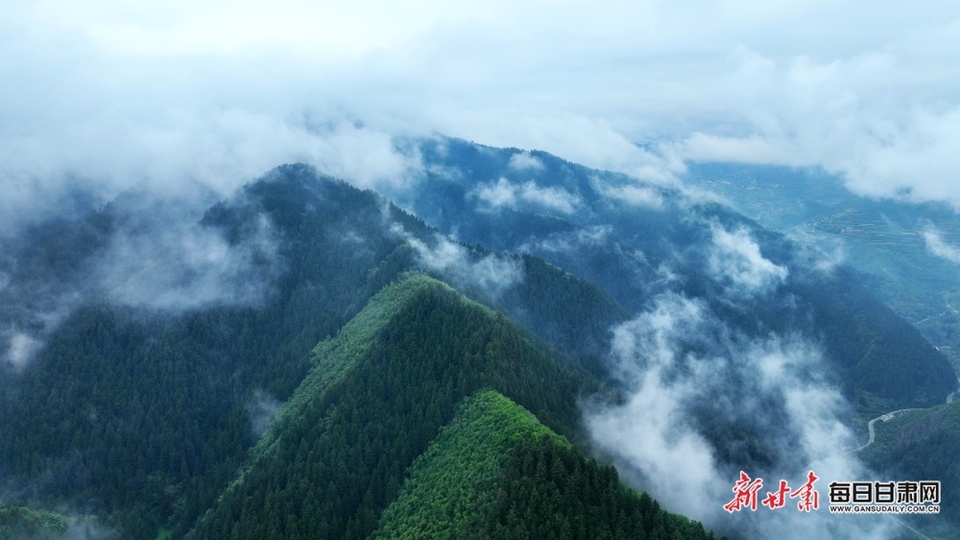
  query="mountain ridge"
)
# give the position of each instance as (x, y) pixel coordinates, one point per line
(626, 243)
(456, 489)
(400, 396)
(160, 401)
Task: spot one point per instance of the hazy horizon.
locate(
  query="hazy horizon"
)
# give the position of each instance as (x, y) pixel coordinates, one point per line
(214, 93)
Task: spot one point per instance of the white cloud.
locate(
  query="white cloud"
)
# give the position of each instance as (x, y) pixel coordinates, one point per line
(652, 433)
(21, 349)
(791, 368)
(568, 241)
(736, 257)
(212, 90)
(823, 254)
(938, 247)
(174, 267)
(181, 149)
(503, 193)
(885, 119)
(262, 409)
(492, 273)
(683, 370)
(553, 198)
(506, 193)
(749, 149)
(651, 430)
(636, 195)
(524, 161)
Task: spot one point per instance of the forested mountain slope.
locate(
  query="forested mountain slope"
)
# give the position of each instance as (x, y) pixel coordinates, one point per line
(496, 472)
(639, 241)
(147, 346)
(377, 395)
(398, 372)
(920, 445)
(21, 523)
(897, 246)
(142, 408)
(147, 392)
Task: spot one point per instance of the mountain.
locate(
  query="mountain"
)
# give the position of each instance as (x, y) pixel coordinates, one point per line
(497, 472)
(377, 395)
(893, 244)
(638, 241)
(142, 399)
(371, 404)
(163, 370)
(921, 445)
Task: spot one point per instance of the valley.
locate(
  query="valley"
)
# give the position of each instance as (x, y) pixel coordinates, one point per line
(305, 381)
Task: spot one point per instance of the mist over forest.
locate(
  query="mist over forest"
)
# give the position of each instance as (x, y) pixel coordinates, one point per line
(366, 272)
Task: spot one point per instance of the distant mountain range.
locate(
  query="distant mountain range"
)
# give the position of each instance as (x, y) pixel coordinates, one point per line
(897, 249)
(453, 359)
(897, 246)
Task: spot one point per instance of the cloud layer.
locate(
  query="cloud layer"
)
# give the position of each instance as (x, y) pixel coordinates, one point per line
(736, 258)
(704, 402)
(936, 245)
(506, 193)
(491, 273)
(216, 92)
(176, 267)
(146, 252)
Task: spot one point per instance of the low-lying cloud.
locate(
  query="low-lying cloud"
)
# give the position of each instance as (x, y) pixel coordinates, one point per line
(703, 402)
(153, 253)
(636, 195)
(217, 93)
(509, 194)
(652, 431)
(176, 268)
(568, 242)
(262, 409)
(877, 118)
(492, 273)
(33, 303)
(936, 245)
(20, 348)
(736, 257)
(183, 153)
(524, 161)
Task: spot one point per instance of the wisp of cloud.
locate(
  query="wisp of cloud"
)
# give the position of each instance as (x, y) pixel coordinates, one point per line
(703, 402)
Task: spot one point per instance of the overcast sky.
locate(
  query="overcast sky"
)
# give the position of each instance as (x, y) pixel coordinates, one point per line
(156, 92)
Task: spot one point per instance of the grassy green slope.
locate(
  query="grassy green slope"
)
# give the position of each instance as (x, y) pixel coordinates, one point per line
(377, 395)
(497, 472)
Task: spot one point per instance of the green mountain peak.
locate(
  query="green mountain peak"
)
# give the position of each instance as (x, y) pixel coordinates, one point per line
(377, 394)
(496, 472)
(452, 486)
